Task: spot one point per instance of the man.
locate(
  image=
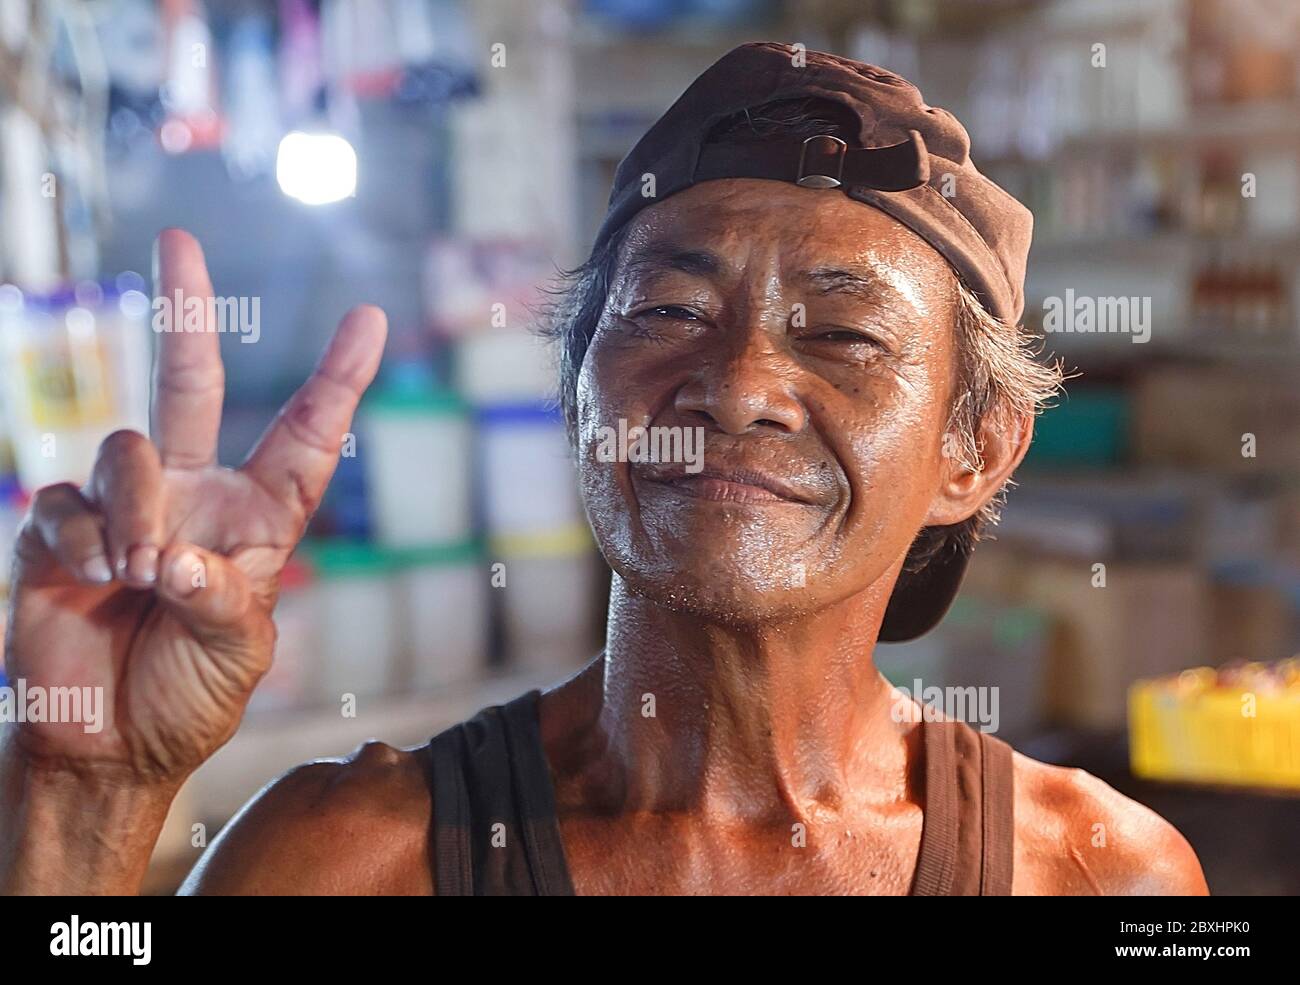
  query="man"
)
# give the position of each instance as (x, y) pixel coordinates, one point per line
(800, 260)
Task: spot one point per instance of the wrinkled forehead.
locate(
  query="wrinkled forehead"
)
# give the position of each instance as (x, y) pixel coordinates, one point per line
(736, 229)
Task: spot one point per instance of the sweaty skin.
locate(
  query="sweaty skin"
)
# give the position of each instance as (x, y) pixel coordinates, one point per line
(811, 338)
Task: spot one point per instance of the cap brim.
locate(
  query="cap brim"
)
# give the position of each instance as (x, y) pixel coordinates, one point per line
(920, 600)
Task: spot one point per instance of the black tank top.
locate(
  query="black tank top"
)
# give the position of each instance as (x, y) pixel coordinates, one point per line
(496, 833)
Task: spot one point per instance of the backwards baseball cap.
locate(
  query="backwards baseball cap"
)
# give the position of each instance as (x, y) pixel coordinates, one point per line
(908, 159)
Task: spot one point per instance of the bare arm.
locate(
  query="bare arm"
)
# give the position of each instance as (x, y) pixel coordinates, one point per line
(153, 586)
(1077, 836)
(353, 826)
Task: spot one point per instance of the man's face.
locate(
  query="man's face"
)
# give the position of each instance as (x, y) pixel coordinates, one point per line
(811, 338)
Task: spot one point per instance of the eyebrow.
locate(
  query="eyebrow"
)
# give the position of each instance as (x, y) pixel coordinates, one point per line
(670, 256)
(835, 280)
(664, 255)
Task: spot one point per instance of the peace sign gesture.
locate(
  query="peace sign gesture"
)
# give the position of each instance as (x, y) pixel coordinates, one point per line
(156, 580)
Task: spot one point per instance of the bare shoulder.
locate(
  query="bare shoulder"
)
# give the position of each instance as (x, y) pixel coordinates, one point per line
(358, 825)
(1076, 835)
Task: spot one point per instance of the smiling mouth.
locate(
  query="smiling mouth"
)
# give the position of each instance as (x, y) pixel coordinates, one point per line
(737, 486)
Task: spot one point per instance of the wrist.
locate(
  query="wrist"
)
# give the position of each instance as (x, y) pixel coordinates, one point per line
(72, 827)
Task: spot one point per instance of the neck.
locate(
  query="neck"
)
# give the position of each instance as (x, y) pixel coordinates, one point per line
(755, 723)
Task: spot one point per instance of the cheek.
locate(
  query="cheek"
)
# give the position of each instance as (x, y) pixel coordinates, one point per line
(588, 401)
(605, 486)
(604, 397)
(889, 435)
(594, 412)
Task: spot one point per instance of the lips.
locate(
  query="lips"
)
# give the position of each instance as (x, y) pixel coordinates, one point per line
(728, 484)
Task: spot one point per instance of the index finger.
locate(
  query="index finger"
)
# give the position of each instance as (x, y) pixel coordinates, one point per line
(296, 457)
(189, 380)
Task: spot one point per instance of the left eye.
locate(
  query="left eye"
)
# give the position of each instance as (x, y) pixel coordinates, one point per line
(841, 335)
(673, 311)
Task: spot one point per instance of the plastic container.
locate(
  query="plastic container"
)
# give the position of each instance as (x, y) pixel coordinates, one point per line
(417, 454)
(1089, 429)
(444, 597)
(529, 485)
(504, 366)
(358, 619)
(76, 367)
(547, 599)
(1194, 728)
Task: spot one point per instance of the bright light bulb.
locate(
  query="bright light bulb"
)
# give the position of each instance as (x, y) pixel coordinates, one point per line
(316, 168)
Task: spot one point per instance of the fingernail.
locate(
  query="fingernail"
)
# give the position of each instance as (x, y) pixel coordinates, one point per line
(96, 569)
(142, 564)
(185, 574)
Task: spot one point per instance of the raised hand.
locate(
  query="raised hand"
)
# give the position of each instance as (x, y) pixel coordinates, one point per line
(156, 580)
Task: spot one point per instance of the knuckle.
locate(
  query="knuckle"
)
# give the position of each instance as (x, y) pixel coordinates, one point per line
(29, 536)
(76, 539)
(195, 376)
(54, 499)
(122, 442)
(307, 420)
(54, 491)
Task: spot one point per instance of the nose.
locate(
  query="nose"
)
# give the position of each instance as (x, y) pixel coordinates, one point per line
(750, 388)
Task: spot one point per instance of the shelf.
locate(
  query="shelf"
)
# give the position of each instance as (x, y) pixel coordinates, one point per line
(1176, 245)
(1247, 126)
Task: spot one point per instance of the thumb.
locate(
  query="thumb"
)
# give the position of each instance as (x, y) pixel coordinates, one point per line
(208, 593)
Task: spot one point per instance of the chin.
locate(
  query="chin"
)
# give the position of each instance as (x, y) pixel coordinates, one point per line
(720, 588)
(730, 563)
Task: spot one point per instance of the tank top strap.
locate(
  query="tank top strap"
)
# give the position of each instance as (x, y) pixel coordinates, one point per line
(452, 871)
(535, 798)
(937, 859)
(968, 831)
(495, 827)
(999, 808)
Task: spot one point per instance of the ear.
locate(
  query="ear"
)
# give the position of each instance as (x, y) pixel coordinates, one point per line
(1003, 442)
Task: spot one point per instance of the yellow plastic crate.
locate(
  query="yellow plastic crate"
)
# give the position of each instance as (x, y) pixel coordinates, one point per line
(1193, 729)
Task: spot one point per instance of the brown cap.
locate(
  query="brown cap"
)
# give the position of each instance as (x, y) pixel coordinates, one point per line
(910, 160)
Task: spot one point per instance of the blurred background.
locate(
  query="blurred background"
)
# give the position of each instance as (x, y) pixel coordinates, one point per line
(443, 159)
